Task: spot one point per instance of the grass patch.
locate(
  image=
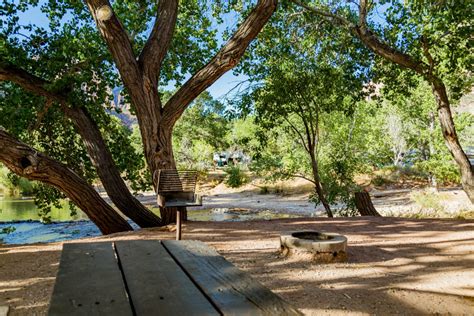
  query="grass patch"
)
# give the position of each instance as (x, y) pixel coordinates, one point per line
(428, 200)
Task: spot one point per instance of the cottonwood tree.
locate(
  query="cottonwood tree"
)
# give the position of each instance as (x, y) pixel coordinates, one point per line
(70, 69)
(429, 38)
(296, 95)
(296, 87)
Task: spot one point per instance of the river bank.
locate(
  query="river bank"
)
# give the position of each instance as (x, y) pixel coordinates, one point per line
(35, 231)
(221, 203)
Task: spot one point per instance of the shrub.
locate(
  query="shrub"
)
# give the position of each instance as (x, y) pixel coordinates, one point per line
(428, 200)
(235, 177)
(379, 181)
(445, 171)
(264, 189)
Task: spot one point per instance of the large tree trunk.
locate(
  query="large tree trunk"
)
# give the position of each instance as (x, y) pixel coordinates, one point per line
(451, 139)
(108, 172)
(168, 214)
(163, 158)
(318, 186)
(158, 149)
(364, 204)
(27, 162)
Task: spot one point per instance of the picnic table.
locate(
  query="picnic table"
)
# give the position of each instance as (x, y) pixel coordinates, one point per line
(153, 277)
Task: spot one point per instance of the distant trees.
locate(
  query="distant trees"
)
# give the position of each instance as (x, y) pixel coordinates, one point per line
(431, 39)
(301, 96)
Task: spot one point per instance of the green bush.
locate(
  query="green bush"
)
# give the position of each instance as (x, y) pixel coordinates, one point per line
(235, 177)
(380, 180)
(264, 189)
(445, 170)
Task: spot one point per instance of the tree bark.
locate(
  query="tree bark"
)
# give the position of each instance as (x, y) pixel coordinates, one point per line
(163, 159)
(451, 138)
(107, 170)
(364, 204)
(27, 162)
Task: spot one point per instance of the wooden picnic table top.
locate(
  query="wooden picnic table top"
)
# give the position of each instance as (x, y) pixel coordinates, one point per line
(153, 277)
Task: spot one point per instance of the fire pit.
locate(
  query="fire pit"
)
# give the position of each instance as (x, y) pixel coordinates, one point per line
(316, 246)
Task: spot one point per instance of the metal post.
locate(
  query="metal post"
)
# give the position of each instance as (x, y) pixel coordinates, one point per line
(178, 224)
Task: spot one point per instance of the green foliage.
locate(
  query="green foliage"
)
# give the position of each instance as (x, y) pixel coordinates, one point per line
(127, 150)
(380, 180)
(46, 198)
(199, 133)
(348, 211)
(445, 27)
(13, 185)
(304, 99)
(243, 135)
(235, 177)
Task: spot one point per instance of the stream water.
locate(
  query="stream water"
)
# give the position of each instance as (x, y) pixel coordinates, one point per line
(20, 222)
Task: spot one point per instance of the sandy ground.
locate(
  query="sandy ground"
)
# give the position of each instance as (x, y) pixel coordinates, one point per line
(389, 202)
(396, 266)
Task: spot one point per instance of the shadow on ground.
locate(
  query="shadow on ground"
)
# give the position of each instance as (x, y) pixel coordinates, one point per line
(396, 265)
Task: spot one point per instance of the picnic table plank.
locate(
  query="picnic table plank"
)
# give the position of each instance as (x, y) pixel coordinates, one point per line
(89, 282)
(231, 290)
(155, 282)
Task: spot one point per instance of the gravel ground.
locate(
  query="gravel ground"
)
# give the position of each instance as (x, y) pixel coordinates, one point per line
(396, 265)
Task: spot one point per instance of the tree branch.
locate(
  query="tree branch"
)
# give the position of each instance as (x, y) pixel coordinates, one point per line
(298, 133)
(160, 38)
(363, 13)
(369, 39)
(326, 14)
(426, 52)
(32, 83)
(296, 175)
(384, 50)
(33, 165)
(224, 60)
(35, 85)
(117, 40)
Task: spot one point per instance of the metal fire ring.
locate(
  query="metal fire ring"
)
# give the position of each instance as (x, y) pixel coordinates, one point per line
(314, 241)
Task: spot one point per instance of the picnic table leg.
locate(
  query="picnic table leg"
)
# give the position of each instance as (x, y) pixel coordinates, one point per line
(178, 223)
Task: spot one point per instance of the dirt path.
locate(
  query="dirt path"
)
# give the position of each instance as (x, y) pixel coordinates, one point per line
(396, 266)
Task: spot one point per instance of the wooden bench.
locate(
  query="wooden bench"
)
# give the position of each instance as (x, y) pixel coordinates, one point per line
(177, 189)
(152, 277)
